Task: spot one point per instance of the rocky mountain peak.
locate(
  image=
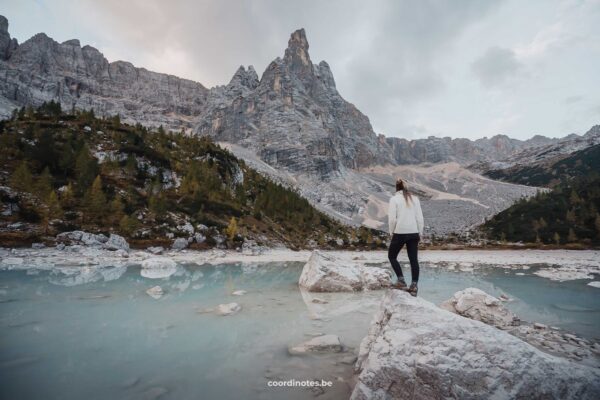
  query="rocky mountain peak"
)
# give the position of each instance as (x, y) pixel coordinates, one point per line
(593, 132)
(296, 55)
(3, 24)
(7, 45)
(72, 42)
(245, 77)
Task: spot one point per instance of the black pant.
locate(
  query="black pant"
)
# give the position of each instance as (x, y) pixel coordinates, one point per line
(412, 247)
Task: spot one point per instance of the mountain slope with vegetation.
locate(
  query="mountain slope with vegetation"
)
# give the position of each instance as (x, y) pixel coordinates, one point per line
(552, 172)
(63, 172)
(568, 214)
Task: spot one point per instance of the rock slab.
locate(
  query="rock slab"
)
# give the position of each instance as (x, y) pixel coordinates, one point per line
(415, 350)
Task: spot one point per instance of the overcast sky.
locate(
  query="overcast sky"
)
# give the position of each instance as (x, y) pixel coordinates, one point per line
(416, 68)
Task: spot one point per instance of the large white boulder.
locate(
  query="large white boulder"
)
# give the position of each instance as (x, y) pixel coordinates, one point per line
(323, 273)
(415, 350)
(476, 304)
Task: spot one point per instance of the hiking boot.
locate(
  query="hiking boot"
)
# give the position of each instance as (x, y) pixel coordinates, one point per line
(400, 285)
(413, 289)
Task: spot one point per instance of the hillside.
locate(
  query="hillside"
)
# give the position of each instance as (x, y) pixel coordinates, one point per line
(554, 171)
(569, 213)
(63, 172)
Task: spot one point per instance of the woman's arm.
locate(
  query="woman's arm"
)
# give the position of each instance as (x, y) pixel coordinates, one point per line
(392, 216)
(420, 221)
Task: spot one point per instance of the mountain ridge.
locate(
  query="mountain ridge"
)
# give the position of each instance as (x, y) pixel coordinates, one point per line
(87, 80)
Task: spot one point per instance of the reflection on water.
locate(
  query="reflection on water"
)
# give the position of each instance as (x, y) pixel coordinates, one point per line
(94, 333)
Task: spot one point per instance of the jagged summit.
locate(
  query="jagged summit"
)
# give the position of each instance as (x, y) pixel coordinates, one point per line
(247, 78)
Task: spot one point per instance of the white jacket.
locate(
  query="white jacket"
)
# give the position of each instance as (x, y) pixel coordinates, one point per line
(403, 217)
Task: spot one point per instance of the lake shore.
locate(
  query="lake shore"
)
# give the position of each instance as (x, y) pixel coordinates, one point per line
(561, 265)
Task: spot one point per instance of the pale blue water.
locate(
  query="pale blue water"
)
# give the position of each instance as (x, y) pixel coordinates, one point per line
(110, 340)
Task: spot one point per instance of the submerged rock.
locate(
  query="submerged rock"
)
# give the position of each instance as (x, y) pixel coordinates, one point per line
(158, 267)
(155, 292)
(476, 304)
(228, 309)
(417, 350)
(323, 273)
(319, 344)
(239, 292)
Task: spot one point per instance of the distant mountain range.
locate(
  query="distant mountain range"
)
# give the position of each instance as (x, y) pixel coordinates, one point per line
(291, 123)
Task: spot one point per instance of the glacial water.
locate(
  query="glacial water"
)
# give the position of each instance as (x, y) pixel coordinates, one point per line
(90, 335)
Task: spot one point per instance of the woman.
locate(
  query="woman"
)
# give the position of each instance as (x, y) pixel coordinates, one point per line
(405, 220)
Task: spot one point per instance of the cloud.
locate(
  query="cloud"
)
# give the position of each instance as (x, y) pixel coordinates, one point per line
(496, 66)
(573, 99)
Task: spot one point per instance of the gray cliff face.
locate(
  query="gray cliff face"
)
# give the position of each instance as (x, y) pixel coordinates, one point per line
(294, 117)
(7, 45)
(464, 151)
(42, 69)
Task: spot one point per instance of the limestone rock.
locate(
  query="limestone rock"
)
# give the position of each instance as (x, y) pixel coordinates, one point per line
(179, 244)
(323, 273)
(415, 350)
(155, 292)
(82, 238)
(319, 344)
(116, 242)
(228, 309)
(476, 304)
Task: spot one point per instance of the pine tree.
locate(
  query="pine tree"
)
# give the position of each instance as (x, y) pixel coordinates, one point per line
(54, 209)
(572, 237)
(158, 204)
(67, 197)
(95, 200)
(574, 199)
(571, 217)
(232, 228)
(22, 179)
(86, 169)
(597, 223)
(557, 238)
(43, 186)
(117, 210)
(128, 225)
